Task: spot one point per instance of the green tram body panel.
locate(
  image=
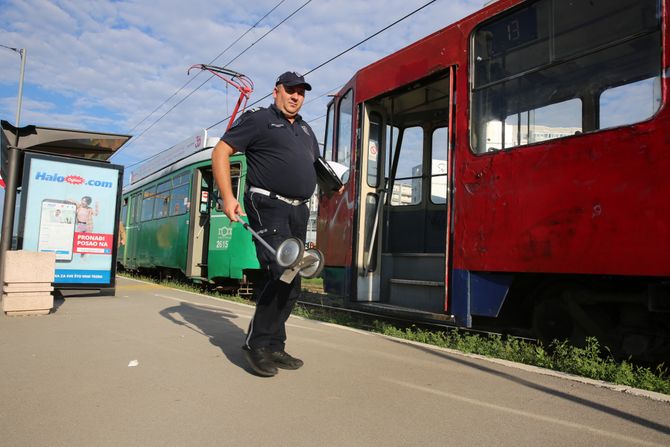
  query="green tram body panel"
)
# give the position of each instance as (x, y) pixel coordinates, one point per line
(223, 250)
(232, 252)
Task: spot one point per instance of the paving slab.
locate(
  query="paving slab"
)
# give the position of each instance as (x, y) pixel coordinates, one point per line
(154, 366)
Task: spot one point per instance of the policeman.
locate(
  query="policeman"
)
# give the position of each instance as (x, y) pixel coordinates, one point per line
(280, 149)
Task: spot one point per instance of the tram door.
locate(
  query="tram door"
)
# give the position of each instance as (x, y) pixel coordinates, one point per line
(123, 222)
(371, 198)
(405, 197)
(133, 231)
(196, 262)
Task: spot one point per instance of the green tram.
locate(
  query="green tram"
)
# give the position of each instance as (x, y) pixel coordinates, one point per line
(175, 226)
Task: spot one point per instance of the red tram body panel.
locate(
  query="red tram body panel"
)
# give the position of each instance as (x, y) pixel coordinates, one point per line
(509, 160)
(587, 205)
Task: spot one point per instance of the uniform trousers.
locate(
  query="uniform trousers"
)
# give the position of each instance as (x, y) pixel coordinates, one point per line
(275, 221)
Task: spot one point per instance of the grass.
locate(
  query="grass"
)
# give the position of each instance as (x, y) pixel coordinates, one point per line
(592, 360)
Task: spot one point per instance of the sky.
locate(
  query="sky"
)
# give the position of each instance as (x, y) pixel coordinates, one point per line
(119, 66)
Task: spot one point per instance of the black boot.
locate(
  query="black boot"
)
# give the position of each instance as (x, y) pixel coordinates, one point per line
(260, 361)
(283, 360)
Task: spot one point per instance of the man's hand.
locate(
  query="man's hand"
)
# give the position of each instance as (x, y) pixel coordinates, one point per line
(233, 210)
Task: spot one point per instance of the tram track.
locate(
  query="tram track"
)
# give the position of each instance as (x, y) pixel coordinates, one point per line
(337, 310)
(325, 307)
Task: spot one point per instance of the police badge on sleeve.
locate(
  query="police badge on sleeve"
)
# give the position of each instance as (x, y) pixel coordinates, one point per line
(240, 119)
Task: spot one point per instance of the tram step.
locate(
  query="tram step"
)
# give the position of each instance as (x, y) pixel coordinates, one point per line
(416, 282)
(405, 312)
(200, 279)
(418, 294)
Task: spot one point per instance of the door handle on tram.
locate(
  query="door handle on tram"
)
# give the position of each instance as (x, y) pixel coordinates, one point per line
(373, 234)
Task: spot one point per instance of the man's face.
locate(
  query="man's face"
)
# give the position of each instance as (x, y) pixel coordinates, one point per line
(289, 99)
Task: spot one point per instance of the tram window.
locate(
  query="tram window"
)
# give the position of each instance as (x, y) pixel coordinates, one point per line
(131, 209)
(392, 138)
(438, 166)
(215, 199)
(179, 200)
(546, 123)
(630, 103)
(182, 179)
(235, 179)
(148, 203)
(162, 200)
(407, 185)
(344, 129)
(557, 68)
(328, 145)
(124, 210)
(135, 208)
(374, 145)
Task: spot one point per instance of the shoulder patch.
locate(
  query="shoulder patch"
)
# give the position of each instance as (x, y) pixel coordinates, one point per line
(247, 113)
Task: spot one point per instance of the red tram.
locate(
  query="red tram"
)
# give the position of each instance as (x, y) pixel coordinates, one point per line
(514, 165)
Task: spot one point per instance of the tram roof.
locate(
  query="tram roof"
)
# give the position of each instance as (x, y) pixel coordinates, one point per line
(201, 155)
(425, 56)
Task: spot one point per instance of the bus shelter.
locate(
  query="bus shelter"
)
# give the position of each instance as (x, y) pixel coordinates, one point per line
(69, 201)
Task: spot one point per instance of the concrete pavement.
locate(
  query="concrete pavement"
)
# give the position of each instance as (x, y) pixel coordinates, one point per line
(155, 366)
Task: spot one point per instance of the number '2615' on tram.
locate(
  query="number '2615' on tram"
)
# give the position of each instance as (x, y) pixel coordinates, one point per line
(513, 166)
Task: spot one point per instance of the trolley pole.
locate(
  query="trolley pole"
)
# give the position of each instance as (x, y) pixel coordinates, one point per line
(12, 177)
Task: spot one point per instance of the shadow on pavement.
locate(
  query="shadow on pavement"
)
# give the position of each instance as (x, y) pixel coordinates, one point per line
(213, 323)
(529, 384)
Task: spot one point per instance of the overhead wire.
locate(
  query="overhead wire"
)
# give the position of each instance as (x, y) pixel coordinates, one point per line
(341, 53)
(209, 63)
(305, 74)
(211, 76)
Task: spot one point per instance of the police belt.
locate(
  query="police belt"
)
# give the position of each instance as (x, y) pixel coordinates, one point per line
(270, 194)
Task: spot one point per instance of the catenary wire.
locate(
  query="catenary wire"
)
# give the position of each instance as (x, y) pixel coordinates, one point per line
(202, 84)
(308, 72)
(209, 63)
(341, 53)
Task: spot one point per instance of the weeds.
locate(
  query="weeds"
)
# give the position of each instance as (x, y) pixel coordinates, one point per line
(592, 360)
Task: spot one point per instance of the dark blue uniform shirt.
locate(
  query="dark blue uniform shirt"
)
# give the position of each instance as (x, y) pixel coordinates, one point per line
(280, 155)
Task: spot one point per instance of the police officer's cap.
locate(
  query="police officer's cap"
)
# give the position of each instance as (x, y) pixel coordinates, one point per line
(291, 79)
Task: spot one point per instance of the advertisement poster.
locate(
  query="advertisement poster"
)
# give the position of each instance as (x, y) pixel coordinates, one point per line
(70, 207)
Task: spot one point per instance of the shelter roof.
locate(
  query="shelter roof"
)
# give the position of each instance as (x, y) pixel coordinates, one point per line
(64, 142)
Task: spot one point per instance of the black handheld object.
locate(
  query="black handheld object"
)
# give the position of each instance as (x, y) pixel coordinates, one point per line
(325, 176)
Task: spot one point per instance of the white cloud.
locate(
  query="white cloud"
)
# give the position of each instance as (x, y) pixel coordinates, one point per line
(104, 66)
